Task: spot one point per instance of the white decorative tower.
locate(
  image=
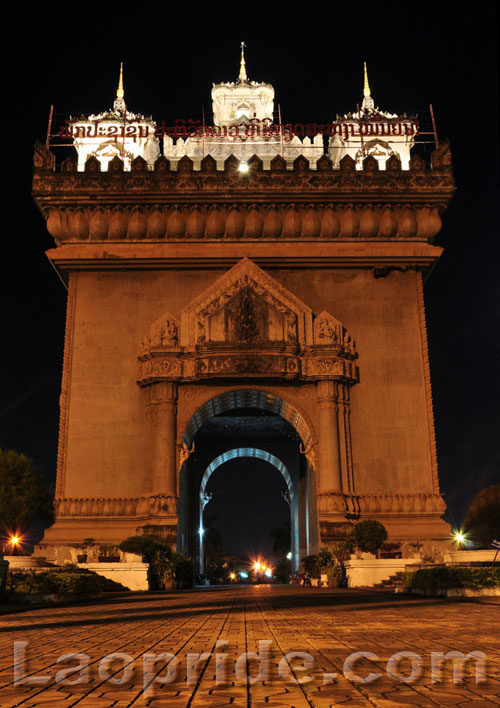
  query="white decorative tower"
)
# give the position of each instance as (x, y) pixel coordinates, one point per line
(371, 131)
(243, 126)
(236, 103)
(115, 133)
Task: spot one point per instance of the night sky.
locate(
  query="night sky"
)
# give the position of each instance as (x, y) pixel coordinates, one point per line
(416, 55)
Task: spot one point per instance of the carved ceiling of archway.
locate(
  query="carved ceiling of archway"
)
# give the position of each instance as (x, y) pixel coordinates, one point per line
(247, 325)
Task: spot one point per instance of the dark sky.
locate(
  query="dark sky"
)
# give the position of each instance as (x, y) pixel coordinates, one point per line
(68, 55)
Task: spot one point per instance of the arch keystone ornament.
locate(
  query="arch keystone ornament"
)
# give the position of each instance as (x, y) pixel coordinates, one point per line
(290, 294)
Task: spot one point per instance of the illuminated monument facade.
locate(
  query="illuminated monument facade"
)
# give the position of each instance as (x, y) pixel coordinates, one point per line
(246, 294)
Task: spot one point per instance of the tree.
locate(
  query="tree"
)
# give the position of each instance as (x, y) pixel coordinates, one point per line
(212, 543)
(482, 523)
(282, 538)
(25, 497)
(369, 535)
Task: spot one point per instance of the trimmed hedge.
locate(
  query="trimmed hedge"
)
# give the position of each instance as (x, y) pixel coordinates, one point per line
(453, 577)
(64, 582)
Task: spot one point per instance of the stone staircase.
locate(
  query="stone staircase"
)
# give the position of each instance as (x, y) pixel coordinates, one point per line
(391, 583)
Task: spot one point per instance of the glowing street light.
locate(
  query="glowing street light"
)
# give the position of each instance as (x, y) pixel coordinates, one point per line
(460, 538)
(243, 167)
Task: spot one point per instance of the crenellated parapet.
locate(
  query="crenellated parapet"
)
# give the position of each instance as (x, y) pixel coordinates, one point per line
(262, 204)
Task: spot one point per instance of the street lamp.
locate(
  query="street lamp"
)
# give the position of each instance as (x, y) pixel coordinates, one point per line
(460, 538)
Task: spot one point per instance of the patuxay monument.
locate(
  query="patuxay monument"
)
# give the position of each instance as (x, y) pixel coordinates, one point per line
(241, 290)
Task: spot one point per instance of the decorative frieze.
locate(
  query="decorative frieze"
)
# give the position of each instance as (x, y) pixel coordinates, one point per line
(69, 222)
(373, 504)
(140, 507)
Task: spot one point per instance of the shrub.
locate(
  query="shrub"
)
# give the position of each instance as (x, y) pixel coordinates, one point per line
(342, 549)
(453, 577)
(369, 535)
(310, 564)
(61, 582)
(145, 546)
(165, 564)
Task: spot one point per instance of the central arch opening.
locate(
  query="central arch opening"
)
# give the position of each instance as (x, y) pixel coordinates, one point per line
(247, 476)
(250, 500)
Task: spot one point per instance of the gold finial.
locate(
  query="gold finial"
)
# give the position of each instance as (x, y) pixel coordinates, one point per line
(366, 89)
(120, 92)
(243, 72)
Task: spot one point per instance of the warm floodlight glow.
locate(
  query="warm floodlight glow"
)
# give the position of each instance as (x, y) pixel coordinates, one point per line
(232, 576)
(14, 540)
(243, 166)
(257, 565)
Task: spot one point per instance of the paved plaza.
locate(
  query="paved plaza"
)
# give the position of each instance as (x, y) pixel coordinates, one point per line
(206, 637)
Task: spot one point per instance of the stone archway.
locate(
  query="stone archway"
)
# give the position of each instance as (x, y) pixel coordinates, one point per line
(301, 481)
(292, 493)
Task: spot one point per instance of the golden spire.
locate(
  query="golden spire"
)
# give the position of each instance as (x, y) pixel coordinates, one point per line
(366, 89)
(243, 72)
(120, 93)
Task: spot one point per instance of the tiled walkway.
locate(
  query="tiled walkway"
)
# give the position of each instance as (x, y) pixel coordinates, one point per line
(220, 625)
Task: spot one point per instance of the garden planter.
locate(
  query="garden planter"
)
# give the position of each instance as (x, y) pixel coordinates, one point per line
(81, 558)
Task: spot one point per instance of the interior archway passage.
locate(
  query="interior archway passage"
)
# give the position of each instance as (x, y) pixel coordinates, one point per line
(292, 487)
(248, 398)
(246, 452)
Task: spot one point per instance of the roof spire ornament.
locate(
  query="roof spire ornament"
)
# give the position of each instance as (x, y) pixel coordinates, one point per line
(368, 104)
(119, 103)
(242, 79)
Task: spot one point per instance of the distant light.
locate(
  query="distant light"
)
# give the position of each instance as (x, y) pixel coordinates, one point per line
(201, 530)
(460, 537)
(14, 540)
(289, 555)
(269, 573)
(243, 166)
(243, 575)
(232, 576)
(256, 565)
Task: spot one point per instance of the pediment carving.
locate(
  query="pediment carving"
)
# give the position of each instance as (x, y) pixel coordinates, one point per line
(163, 334)
(247, 325)
(246, 306)
(327, 329)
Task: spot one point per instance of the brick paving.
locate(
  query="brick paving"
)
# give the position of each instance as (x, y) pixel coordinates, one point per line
(211, 629)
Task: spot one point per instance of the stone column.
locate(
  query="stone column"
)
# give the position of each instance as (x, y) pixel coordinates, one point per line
(329, 449)
(163, 412)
